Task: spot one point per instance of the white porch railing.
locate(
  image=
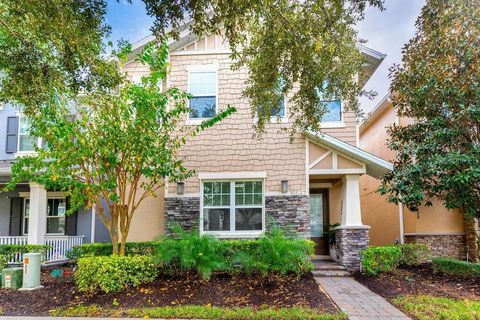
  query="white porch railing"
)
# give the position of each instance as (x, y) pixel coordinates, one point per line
(59, 245)
(14, 240)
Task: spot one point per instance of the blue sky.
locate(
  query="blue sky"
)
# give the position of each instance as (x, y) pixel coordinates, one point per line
(385, 31)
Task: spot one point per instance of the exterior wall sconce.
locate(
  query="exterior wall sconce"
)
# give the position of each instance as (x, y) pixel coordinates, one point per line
(284, 184)
(180, 187)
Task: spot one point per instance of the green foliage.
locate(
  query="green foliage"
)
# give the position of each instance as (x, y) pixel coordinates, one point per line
(455, 267)
(105, 249)
(376, 260)
(42, 53)
(276, 253)
(186, 251)
(8, 251)
(113, 273)
(282, 43)
(437, 308)
(116, 152)
(438, 85)
(414, 254)
(199, 312)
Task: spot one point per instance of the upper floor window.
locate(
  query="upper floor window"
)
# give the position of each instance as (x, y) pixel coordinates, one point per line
(202, 85)
(333, 111)
(26, 142)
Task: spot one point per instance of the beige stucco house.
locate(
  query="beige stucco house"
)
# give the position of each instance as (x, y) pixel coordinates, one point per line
(445, 231)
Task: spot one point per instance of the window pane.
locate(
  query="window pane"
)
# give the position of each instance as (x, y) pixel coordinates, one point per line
(216, 219)
(203, 83)
(333, 111)
(279, 111)
(248, 219)
(26, 143)
(216, 194)
(56, 207)
(24, 125)
(202, 107)
(56, 225)
(248, 193)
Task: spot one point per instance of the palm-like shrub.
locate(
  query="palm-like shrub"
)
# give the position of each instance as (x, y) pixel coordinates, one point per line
(186, 251)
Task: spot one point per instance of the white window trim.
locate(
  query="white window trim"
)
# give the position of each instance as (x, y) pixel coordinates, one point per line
(202, 68)
(335, 124)
(233, 234)
(54, 195)
(24, 152)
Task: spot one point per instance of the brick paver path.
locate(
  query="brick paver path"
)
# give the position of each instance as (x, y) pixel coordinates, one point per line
(357, 301)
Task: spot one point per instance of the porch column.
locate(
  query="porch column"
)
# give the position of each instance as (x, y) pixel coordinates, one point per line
(351, 237)
(37, 221)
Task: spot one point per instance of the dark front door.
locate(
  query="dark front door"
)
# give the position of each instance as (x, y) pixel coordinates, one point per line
(319, 220)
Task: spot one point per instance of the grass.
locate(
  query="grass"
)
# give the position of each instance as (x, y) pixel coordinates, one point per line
(435, 308)
(198, 312)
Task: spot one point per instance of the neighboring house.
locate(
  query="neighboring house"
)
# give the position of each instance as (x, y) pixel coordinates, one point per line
(444, 231)
(242, 185)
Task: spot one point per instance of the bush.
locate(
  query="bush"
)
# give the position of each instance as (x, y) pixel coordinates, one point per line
(106, 249)
(8, 251)
(380, 259)
(186, 251)
(456, 267)
(414, 254)
(113, 273)
(276, 253)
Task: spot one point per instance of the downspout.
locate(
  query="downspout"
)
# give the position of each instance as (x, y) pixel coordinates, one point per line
(92, 228)
(400, 217)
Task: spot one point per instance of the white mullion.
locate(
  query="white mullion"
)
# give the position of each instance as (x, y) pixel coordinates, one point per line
(232, 206)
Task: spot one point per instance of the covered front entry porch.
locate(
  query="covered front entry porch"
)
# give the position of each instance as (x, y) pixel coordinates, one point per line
(333, 182)
(32, 215)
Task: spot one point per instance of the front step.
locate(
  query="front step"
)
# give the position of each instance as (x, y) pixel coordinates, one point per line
(324, 266)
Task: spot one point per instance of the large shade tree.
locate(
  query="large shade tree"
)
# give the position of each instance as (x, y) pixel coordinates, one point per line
(113, 150)
(306, 45)
(438, 85)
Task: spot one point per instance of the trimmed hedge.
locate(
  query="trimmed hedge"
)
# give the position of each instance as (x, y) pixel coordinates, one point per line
(456, 267)
(414, 254)
(113, 273)
(7, 251)
(106, 249)
(376, 260)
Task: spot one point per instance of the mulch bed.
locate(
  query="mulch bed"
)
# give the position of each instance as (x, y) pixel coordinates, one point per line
(421, 280)
(221, 290)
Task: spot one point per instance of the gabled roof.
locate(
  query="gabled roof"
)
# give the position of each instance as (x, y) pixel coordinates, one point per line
(376, 111)
(376, 167)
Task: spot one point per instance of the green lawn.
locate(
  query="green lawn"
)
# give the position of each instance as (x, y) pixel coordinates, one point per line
(198, 312)
(427, 307)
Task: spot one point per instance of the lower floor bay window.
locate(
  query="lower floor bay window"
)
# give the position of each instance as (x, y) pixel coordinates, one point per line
(233, 207)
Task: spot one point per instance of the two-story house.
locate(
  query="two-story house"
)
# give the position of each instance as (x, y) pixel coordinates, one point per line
(242, 184)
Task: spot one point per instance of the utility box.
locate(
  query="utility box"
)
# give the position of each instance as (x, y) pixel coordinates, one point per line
(31, 271)
(12, 278)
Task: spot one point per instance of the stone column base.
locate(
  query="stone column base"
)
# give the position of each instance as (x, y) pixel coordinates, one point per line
(349, 242)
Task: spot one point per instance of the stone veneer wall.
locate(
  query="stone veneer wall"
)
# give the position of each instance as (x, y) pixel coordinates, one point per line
(289, 211)
(182, 210)
(349, 242)
(442, 245)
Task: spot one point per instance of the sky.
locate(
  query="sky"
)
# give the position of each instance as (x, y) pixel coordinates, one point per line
(386, 31)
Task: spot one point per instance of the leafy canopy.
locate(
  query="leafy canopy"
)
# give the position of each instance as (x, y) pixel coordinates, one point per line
(307, 45)
(438, 85)
(113, 149)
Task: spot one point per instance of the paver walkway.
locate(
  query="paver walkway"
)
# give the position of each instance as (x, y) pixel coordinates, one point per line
(357, 301)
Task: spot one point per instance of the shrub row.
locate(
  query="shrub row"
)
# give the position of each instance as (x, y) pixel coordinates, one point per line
(8, 251)
(192, 252)
(106, 248)
(376, 260)
(456, 267)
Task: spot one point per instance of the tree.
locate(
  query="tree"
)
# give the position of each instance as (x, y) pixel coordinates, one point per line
(53, 46)
(309, 43)
(113, 149)
(438, 85)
